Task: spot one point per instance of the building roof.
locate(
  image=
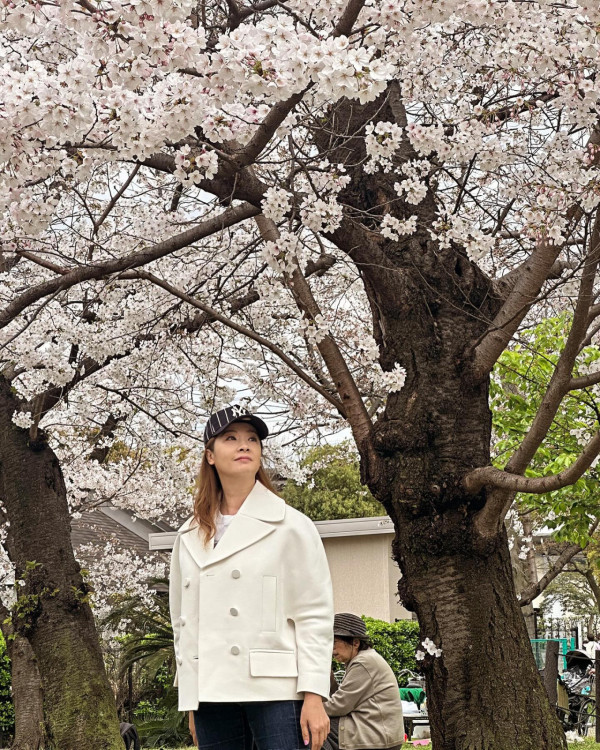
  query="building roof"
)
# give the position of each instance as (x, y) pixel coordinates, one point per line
(342, 527)
(107, 523)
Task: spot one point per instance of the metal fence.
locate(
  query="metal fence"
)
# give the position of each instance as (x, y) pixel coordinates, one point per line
(573, 629)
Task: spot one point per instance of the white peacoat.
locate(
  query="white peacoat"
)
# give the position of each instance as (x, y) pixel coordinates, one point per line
(253, 616)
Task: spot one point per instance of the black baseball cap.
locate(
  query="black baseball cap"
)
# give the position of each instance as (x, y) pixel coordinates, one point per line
(221, 419)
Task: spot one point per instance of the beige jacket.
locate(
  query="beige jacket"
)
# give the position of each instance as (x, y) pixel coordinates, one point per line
(368, 704)
(252, 617)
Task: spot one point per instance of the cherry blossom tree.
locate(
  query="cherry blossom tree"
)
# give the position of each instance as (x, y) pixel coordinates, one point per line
(349, 209)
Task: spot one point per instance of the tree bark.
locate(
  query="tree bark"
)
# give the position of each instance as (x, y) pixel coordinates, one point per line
(30, 731)
(26, 686)
(484, 692)
(52, 610)
(593, 584)
(551, 671)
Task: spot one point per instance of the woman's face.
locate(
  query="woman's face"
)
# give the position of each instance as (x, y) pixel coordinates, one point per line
(343, 651)
(236, 452)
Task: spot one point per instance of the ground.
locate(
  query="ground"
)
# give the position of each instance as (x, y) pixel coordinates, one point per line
(585, 745)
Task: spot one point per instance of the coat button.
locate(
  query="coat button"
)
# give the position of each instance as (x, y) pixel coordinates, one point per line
(235, 574)
(186, 583)
(235, 650)
(234, 611)
(182, 620)
(179, 660)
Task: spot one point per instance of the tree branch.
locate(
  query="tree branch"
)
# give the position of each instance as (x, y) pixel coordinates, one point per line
(505, 324)
(491, 477)
(504, 484)
(348, 18)
(561, 377)
(42, 262)
(507, 282)
(531, 276)
(355, 410)
(100, 452)
(227, 218)
(115, 198)
(527, 596)
(248, 332)
(585, 381)
(280, 111)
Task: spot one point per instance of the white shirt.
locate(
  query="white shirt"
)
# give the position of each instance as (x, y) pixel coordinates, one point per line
(223, 522)
(591, 647)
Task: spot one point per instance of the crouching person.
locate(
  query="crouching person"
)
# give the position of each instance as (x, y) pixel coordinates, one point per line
(365, 710)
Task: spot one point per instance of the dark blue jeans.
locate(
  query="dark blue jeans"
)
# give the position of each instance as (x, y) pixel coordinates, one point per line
(270, 725)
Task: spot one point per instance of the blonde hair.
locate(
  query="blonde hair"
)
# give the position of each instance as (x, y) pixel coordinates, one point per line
(208, 494)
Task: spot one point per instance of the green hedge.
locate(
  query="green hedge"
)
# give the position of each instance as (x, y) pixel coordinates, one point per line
(397, 642)
(7, 713)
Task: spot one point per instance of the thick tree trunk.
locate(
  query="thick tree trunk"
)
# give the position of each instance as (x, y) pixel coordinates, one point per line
(484, 692)
(52, 610)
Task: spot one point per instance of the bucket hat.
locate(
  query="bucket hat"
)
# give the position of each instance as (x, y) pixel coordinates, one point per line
(350, 626)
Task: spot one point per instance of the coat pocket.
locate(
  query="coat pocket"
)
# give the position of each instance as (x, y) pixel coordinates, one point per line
(269, 603)
(268, 663)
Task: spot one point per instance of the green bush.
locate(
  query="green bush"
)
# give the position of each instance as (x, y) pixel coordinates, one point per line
(7, 713)
(397, 642)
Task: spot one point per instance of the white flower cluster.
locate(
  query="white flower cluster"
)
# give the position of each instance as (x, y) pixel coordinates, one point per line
(430, 648)
(326, 180)
(526, 547)
(22, 419)
(394, 380)
(454, 228)
(191, 169)
(412, 189)
(314, 330)
(115, 570)
(393, 228)
(276, 203)
(284, 255)
(582, 434)
(382, 140)
(321, 216)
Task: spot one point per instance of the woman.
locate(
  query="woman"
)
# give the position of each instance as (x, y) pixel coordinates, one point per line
(251, 603)
(366, 706)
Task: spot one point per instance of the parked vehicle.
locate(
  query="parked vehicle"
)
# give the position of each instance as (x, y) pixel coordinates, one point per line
(578, 681)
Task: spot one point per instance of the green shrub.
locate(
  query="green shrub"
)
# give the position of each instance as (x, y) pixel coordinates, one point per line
(7, 713)
(397, 642)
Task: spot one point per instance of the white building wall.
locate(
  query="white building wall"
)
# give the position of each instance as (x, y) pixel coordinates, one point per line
(364, 576)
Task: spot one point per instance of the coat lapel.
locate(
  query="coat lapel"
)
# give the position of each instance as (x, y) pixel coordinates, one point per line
(243, 531)
(258, 517)
(194, 543)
